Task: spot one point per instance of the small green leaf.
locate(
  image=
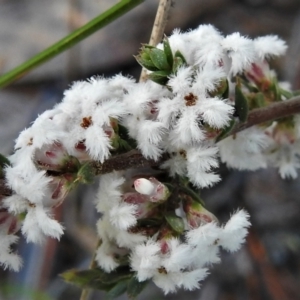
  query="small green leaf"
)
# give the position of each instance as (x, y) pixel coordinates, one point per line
(86, 173)
(146, 63)
(225, 93)
(87, 279)
(135, 287)
(178, 54)
(222, 89)
(117, 275)
(259, 100)
(175, 222)
(70, 164)
(190, 192)
(168, 51)
(160, 77)
(123, 133)
(286, 94)
(118, 289)
(276, 90)
(1, 172)
(296, 93)
(4, 161)
(159, 59)
(226, 131)
(178, 62)
(97, 278)
(241, 104)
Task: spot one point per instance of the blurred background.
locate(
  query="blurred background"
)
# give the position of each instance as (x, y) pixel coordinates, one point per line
(268, 266)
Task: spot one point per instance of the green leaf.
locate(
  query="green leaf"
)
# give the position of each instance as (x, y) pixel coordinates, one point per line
(3, 163)
(296, 93)
(194, 195)
(144, 59)
(178, 62)
(123, 133)
(259, 100)
(159, 59)
(117, 275)
(241, 104)
(175, 222)
(276, 90)
(86, 173)
(286, 93)
(97, 278)
(118, 289)
(135, 287)
(226, 131)
(86, 279)
(225, 93)
(160, 77)
(178, 54)
(168, 51)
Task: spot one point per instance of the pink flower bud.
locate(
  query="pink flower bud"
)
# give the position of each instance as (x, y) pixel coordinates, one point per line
(50, 157)
(59, 187)
(144, 186)
(196, 214)
(259, 73)
(156, 190)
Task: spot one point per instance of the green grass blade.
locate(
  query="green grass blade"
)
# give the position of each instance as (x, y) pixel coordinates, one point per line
(75, 37)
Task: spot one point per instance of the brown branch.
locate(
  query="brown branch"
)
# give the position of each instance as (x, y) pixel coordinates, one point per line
(160, 22)
(131, 159)
(134, 158)
(272, 112)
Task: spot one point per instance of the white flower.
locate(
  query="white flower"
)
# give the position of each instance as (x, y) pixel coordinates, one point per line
(234, 232)
(269, 45)
(145, 260)
(8, 259)
(15, 204)
(123, 216)
(109, 191)
(244, 151)
(240, 50)
(207, 45)
(105, 257)
(33, 187)
(178, 256)
(38, 224)
(200, 162)
(170, 282)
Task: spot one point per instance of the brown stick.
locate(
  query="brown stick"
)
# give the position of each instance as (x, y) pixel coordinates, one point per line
(270, 113)
(134, 158)
(131, 159)
(158, 27)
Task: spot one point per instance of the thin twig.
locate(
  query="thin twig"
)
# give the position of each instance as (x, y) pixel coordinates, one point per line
(158, 27)
(134, 158)
(93, 264)
(269, 113)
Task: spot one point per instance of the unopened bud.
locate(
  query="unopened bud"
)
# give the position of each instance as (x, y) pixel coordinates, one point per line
(156, 190)
(144, 186)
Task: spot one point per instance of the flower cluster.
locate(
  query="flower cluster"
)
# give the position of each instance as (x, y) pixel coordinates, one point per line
(174, 247)
(201, 84)
(80, 129)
